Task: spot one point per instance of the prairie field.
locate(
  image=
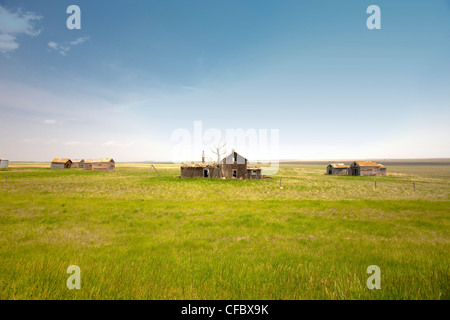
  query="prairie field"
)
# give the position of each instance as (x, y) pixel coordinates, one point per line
(136, 236)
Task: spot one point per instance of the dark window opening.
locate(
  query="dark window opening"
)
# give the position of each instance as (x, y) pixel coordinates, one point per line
(234, 173)
(205, 173)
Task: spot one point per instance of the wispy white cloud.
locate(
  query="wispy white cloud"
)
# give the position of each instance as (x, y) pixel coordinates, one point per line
(79, 41)
(64, 47)
(13, 24)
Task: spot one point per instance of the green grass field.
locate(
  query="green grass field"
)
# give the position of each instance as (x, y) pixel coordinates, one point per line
(168, 238)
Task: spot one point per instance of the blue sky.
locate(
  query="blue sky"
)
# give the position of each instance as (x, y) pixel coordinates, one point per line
(139, 70)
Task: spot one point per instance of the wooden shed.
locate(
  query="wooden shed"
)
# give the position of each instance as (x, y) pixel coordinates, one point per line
(367, 168)
(254, 172)
(77, 163)
(337, 169)
(106, 164)
(4, 164)
(61, 163)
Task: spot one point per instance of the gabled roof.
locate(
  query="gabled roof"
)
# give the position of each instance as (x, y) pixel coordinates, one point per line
(61, 160)
(338, 165)
(230, 158)
(367, 164)
(77, 160)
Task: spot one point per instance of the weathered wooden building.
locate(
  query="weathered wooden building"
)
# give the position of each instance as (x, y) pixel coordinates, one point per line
(106, 164)
(200, 170)
(337, 169)
(4, 164)
(77, 163)
(367, 168)
(87, 165)
(254, 172)
(234, 166)
(61, 163)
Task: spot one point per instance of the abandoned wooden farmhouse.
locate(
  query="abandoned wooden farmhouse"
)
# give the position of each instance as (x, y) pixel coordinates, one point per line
(367, 168)
(105, 164)
(337, 168)
(61, 163)
(77, 163)
(234, 166)
(4, 164)
(357, 168)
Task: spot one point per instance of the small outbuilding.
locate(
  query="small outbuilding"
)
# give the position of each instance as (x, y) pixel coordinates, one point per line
(337, 169)
(254, 172)
(61, 163)
(106, 164)
(367, 168)
(4, 164)
(77, 163)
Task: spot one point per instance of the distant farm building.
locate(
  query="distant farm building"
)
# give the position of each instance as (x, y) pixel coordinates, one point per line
(77, 163)
(234, 166)
(367, 168)
(107, 164)
(87, 165)
(61, 163)
(337, 168)
(4, 164)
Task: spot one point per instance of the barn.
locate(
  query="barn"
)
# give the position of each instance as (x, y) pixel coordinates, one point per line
(337, 169)
(106, 164)
(4, 164)
(367, 168)
(61, 163)
(77, 163)
(234, 166)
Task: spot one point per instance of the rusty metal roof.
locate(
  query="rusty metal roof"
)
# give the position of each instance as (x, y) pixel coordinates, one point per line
(367, 164)
(61, 160)
(253, 168)
(338, 165)
(102, 160)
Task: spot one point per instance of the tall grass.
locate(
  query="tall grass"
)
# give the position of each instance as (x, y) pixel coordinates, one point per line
(168, 238)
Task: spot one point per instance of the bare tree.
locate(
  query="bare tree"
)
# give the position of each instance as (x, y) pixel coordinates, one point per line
(219, 150)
